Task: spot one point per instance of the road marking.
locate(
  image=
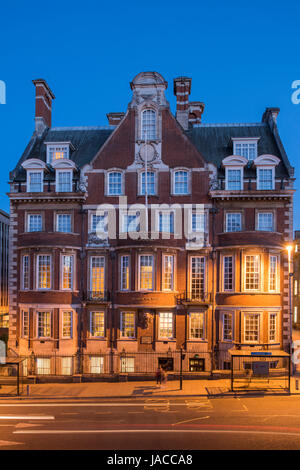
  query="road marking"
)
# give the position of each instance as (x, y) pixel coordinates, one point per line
(189, 420)
(196, 404)
(25, 425)
(69, 413)
(25, 417)
(10, 443)
(157, 431)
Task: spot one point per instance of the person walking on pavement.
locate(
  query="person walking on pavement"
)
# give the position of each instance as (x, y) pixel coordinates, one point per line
(158, 375)
(164, 378)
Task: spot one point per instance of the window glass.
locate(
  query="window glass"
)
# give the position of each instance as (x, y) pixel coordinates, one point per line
(166, 325)
(265, 178)
(234, 179)
(265, 221)
(44, 271)
(63, 223)
(233, 222)
(150, 183)
(197, 325)
(148, 124)
(114, 183)
(35, 223)
(181, 182)
(146, 272)
(252, 272)
(128, 325)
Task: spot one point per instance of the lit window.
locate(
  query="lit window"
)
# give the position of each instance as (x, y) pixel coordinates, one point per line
(246, 149)
(63, 181)
(127, 325)
(150, 183)
(67, 324)
(146, 272)
(67, 272)
(63, 223)
(227, 326)
(57, 152)
(35, 181)
(148, 125)
(295, 314)
(127, 364)
(233, 179)
(165, 325)
(265, 178)
(97, 276)
(96, 365)
(168, 272)
(252, 272)
(131, 223)
(181, 185)
(197, 325)
(35, 223)
(25, 323)
(272, 327)
(44, 324)
(44, 272)
(198, 222)
(124, 272)
(42, 366)
(166, 222)
(273, 273)
(67, 365)
(265, 221)
(197, 276)
(228, 272)
(251, 331)
(296, 287)
(233, 222)
(25, 272)
(114, 183)
(97, 324)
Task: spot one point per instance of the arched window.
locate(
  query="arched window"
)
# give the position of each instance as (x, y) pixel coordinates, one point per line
(181, 184)
(148, 124)
(150, 183)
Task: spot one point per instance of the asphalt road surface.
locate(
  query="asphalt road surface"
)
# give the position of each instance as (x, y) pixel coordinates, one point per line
(161, 424)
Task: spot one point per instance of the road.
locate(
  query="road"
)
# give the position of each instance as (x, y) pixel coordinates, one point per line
(270, 422)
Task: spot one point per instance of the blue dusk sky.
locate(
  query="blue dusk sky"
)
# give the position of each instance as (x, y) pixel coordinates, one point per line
(242, 57)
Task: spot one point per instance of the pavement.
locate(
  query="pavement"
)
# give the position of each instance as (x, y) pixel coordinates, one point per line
(192, 388)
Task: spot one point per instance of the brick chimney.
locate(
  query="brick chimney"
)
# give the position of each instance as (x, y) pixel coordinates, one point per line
(270, 116)
(182, 90)
(115, 118)
(43, 105)
(196, 109)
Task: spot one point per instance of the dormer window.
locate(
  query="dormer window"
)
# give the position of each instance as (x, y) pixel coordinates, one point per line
(64, 170)
(148, 126)
(234, 172)
(265, 171)
(57, 151)
(245, 148)
(35, 175)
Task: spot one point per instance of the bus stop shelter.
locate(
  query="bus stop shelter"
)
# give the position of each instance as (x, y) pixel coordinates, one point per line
(260, 370)
(11, 376)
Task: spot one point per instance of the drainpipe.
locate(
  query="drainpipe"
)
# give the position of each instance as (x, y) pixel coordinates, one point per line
(112, 255)
(213, 211)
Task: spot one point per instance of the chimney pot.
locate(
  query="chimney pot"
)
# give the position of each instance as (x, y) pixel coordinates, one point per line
(115, 118)
(182, 90)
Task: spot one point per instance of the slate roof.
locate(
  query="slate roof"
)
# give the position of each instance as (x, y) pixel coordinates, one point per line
(212, 140)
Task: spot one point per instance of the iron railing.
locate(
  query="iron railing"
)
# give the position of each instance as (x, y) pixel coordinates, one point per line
(194, 297)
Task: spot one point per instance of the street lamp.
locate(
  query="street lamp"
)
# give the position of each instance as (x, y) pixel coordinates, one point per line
(289, 249)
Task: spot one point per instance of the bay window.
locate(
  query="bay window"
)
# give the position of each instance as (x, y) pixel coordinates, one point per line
(146, 272)
(168, 273)
(197, 277)
(252, 272)
(44, 272)
(97, 265)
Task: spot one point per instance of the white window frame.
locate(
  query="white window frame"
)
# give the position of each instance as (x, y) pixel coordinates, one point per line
(160, 336)
(271, 168)
(137, 216)
(37, 272)
(58, 215)
(108, 173)
(102, 320)
(227, 213)
(164, 273)
(277, 280)
(201, 314)
(57, 147)
(153, 135)
(245, 314)
(73, 270)
(275, 340)
(64, 171)
(188, 173)
(260, 273)
(40, 360)
(140, 183)
(231, 314)
(93, 215)
(122, 257)
(261, 213)
(139, 272)
(123, 325)
(63, 312)
(191, 275)
(67, 365)
(23, 312)
(233, 272)
(245, 141)
(164, 213)
(91, 272)
(30, 214)
(125, 366)
(41, 172)
(202, 213)
(234, 168)
(38, 311)
(27, 273)
(96, 368)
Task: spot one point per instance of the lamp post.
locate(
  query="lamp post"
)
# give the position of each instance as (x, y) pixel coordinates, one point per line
(182, 357)
(291, 274)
